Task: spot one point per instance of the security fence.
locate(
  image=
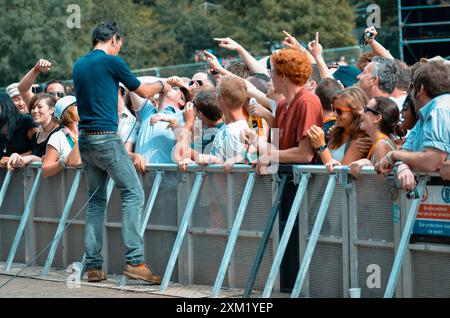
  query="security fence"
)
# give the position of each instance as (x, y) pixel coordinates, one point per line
(206, 227)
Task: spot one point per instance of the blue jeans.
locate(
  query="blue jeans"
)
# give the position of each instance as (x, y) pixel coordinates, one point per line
(103, 156)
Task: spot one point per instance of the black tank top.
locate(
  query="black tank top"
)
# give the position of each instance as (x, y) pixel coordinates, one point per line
(39, 149)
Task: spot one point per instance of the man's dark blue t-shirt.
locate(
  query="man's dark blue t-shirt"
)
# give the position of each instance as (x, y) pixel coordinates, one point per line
(96, 78)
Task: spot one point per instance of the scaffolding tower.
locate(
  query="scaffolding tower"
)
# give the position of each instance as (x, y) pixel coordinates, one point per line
(414, 31)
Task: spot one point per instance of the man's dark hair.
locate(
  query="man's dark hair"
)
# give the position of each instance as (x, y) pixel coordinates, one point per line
(239, 69)
(365, 59)
(54, 81)
(434, 77)
(315, 75)
(206, 102)
(390, 114)
(262, 76)
(403, 75)
(104, 32)
(326, 90)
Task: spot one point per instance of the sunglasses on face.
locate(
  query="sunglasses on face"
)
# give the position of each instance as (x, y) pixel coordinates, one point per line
(199, 82)
(59, 94)
(340, 111)
(373, 111)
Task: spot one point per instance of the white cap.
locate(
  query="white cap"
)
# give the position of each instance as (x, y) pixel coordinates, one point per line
(62, 105)
(13, 90)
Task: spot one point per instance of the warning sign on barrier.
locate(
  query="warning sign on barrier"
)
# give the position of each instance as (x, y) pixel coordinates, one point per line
(433, 217)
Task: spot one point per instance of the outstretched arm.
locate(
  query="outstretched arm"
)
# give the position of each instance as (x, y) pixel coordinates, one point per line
(316, 51)
(42, 66)
(377, 48)
(246, 57)
(251, 89)
(292, 43)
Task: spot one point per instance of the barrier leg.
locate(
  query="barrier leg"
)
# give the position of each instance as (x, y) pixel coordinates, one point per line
(151, 201)
(234, 234)
(5, 186)
(404, 241)
(265, 239)
(62, 223)
(286, 234)
(182, 231)
(314, 236)
(23, 221)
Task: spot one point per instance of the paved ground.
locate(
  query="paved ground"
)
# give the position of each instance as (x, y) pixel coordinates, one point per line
(31, 283)
(29, 288)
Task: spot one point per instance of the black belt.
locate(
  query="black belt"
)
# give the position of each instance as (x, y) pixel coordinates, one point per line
(93, 132)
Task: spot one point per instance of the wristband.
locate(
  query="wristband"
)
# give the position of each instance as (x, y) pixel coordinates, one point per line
(162, 86)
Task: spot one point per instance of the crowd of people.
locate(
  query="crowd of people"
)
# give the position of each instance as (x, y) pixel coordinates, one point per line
(288, 108)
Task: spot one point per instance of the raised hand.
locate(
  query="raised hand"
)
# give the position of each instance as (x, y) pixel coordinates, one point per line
(42, 66)
(315, 47)
(291, 42)
(213, 62)
(228, 44)
(371, 30)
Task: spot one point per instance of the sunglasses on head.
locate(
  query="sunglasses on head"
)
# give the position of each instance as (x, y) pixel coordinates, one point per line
(59, 94)
(373, 111)
(340, 111)
(199, 82)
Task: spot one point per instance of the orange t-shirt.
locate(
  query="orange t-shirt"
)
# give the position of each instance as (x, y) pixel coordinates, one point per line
(294, 121)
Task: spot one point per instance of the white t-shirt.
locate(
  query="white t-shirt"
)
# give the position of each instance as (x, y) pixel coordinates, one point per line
(128, 127)
(228, 141)
(399, 101)
(59, 141)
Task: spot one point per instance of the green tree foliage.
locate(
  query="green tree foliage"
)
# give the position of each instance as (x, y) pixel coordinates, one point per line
(160, 32)
(36, 29)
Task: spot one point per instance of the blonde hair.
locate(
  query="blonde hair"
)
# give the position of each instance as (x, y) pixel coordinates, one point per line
(233, 90)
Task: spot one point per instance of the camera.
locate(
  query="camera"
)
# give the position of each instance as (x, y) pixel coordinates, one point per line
(36, 89)
(412, 195)
(369, 35)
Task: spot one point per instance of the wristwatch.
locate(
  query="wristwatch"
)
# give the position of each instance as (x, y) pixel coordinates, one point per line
(321, 148)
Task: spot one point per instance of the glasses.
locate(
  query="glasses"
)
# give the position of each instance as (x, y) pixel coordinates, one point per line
(340, 111)
(59, 94)
(373, 111)
(199, 82)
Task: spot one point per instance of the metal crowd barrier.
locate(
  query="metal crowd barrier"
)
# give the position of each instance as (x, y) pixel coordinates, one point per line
(210, 228)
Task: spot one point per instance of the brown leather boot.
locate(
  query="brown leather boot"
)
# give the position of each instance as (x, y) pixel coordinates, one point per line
(142, 272)
(95, 275)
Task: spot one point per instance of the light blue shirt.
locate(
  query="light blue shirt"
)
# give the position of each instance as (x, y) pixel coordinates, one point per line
(156, 142)
(433, 127)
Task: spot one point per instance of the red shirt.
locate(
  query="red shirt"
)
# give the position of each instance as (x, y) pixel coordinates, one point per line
(295, 119)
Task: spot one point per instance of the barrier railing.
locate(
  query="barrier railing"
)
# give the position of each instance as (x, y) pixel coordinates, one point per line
(232, 212)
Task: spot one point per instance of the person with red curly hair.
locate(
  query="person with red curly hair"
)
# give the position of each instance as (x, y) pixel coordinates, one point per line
(299, 110)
